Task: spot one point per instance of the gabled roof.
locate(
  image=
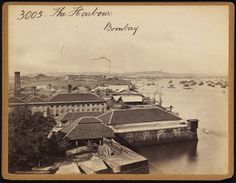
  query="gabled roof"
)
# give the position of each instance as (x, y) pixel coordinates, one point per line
(75, 115)
(87, 128)
(76, 97)
(15, 100)
(127, 116)
(116, 97)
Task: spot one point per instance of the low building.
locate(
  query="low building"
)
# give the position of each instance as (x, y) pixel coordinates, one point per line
(87, 130)
(63, 103)
(147, 126)
(125, 92)
(128, 99)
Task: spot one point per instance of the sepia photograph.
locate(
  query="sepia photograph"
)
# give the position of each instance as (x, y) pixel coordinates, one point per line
(109, 90)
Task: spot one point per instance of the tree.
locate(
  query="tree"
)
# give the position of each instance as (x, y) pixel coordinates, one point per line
(28, 138)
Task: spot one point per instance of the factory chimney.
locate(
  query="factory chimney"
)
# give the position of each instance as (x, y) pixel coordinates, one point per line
(49, 86)
(33, 90)
(17, 84)
(69, 88)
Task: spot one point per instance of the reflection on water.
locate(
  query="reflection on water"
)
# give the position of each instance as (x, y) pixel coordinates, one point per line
(210, 154)
(169, 152)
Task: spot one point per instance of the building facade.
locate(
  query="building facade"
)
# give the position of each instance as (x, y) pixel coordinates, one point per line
(63, 103)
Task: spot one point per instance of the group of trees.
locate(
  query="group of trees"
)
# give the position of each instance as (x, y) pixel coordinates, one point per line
(31, 140)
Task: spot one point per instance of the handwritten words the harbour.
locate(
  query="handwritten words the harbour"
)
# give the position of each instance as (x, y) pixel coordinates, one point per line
(63, 12)
(78, 11)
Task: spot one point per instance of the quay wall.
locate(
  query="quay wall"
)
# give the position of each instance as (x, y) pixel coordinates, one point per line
(159, 136)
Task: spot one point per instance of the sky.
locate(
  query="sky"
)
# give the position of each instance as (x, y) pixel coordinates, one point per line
(178, 39)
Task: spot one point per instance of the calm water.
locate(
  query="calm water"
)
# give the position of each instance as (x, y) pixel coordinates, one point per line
(210, 154)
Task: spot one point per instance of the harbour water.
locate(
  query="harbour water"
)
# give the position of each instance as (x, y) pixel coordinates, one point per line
(208, 104)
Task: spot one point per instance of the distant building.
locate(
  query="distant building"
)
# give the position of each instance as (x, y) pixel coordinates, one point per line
(128, 99)
(125, 92)
(118, 87)
(85, 77)
(56, 104)
(87, 130)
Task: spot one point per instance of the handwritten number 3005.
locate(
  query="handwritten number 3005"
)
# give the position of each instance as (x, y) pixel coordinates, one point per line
(30, 15)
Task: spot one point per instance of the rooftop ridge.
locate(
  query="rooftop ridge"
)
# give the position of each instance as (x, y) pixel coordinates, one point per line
(76, 123)
(85, 117)
(17, 99)
(109, 122)
(104, 113)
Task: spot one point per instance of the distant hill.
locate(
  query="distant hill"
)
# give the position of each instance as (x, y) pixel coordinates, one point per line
(161, 74)
(142, 74)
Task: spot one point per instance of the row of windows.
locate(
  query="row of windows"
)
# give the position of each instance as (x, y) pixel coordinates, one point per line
(81, 105)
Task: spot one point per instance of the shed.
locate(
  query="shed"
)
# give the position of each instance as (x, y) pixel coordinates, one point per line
(85, 130)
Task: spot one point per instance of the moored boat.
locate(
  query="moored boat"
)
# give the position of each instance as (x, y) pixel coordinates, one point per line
(186, 86)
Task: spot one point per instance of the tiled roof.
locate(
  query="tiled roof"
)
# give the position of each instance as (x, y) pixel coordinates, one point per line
(82, 120)
(86, 120)
(15, 100)
(42, 96)
(78, 97)
(90, 131)
(75, 115)
(105, 117)
(87, 128)
(127, 116)
(33, 98)
(68, 127)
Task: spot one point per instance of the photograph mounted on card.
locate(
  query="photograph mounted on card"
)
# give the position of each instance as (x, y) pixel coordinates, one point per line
(97, 91)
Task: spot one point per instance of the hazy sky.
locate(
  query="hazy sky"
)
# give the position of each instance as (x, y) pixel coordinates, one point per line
(180, 39)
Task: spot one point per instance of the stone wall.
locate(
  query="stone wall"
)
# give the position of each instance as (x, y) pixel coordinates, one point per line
(161, 136)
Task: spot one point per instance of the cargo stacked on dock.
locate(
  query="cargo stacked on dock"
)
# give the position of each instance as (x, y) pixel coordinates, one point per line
(147, 126)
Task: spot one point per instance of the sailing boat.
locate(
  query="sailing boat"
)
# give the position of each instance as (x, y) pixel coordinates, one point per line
(160, 96)
(170, 85)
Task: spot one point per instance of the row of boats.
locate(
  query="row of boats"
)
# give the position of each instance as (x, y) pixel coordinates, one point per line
(187, 84)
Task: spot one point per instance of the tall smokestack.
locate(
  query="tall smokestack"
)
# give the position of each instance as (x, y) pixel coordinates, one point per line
(17, 84)
(49, 86)
(69, 88)
(33, 90)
